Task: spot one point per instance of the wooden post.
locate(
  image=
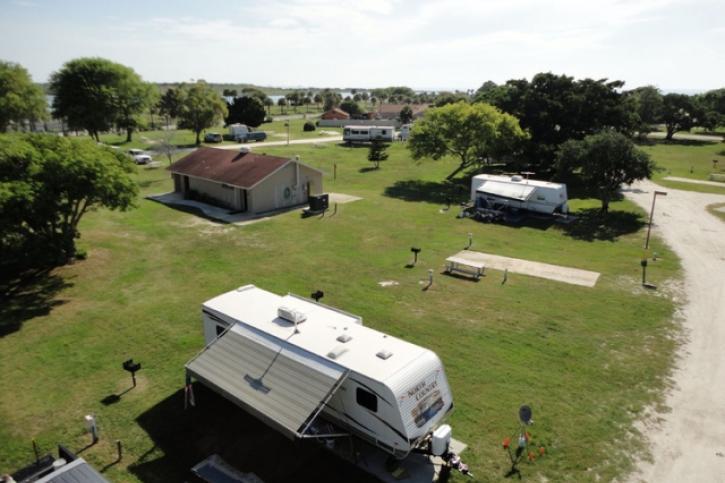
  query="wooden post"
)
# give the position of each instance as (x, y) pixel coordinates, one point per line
(119, 450)
(505, 276)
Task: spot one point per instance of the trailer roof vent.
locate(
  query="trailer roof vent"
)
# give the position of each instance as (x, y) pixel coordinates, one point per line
(344, 338)
(245, 149)
(384, 354)
(336, 352)
(516, 177)
(294, 316)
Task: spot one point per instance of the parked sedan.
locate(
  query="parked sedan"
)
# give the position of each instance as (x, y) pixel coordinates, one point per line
(213, 137)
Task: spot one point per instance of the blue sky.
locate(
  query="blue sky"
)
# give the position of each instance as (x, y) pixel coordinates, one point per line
(674, 44)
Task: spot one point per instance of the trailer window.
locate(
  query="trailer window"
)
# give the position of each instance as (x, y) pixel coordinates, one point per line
(367, 399)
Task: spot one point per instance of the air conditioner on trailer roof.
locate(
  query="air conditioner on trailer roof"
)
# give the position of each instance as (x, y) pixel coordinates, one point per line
(294, 316)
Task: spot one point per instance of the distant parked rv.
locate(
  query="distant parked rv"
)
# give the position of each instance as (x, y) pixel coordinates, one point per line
(363, 134)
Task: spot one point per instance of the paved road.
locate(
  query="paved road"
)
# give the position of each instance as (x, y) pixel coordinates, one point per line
(686, 136)
(689, 442)
(261, 145)
(695, 181)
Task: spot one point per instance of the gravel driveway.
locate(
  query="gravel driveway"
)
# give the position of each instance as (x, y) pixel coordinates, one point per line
(689, 443)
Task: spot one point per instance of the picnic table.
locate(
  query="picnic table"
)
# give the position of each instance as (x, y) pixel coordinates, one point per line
(466, 267)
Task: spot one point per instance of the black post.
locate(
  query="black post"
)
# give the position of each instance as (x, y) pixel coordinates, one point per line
(119, 449)
(644, 271)
(36, 451)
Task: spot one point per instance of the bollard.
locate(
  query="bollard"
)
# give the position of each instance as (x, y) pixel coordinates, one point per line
(505, 276)
(92, 427)
(470, 241)
(430, 277)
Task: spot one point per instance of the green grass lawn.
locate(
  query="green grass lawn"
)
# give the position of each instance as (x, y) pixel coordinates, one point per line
(588, 360)
(687, 160)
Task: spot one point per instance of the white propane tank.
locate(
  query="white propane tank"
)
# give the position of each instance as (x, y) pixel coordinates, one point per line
(440, 440)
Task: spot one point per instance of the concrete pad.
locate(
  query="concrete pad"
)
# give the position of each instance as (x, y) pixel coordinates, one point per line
(574, 276)
(694, 181)
(216, 213)
(342, 198)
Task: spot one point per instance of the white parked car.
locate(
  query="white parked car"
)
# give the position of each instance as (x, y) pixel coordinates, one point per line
(140, 156)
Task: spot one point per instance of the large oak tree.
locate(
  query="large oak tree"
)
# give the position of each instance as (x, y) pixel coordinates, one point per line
(473, 133)
(20, 99)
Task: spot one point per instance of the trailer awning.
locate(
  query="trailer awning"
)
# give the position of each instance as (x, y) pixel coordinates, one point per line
(514, 191)
(280, 384)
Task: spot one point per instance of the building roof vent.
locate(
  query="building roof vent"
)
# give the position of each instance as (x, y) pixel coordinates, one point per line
(344, 338)
(517, 178)
(384, 354)
(292, 315)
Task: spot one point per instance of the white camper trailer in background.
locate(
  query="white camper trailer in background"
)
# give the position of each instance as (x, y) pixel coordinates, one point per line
(300, 366)
(502, 192)
(363, 134)
(404, 133)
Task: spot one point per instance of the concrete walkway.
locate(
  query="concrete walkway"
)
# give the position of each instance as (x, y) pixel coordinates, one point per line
(574, 276)
(694, 181)
(261, 145)
(216, 213)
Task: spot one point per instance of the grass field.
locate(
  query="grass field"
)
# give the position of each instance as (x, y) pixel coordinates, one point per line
(588, 360)
(685, 159)
(184, 138)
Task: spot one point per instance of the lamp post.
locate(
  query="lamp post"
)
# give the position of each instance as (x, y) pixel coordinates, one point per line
(287, 126)
(651, 214)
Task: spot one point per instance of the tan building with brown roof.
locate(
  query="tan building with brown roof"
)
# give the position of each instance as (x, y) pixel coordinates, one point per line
(244, 181)
(335, 114)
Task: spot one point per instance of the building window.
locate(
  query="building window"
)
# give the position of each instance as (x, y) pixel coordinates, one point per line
(367, 399)
(384, 132)
(220, 329)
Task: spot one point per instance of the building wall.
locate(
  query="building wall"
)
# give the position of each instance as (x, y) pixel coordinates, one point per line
(224, 195)
(283, 189)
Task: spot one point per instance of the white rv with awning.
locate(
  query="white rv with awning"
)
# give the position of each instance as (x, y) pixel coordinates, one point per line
(303, 368)
(501, 192)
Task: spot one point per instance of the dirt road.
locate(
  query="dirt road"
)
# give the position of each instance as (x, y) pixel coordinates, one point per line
(689, 443)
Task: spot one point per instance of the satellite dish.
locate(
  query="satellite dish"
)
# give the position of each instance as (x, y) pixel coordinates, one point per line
(525, 414)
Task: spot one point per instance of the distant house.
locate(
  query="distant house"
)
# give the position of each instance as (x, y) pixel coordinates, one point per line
(335, 114)
(392, 111)
(244, 181)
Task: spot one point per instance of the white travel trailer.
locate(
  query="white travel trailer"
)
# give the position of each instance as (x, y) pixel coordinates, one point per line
(312, 371)
(404, 133)
(499, 192)
(362, 134)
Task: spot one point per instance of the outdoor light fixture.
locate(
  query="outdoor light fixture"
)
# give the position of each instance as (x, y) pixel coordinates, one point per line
(651, 214)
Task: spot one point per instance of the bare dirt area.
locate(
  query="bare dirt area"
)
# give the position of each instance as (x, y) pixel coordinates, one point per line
(688, 442)
(573, 276)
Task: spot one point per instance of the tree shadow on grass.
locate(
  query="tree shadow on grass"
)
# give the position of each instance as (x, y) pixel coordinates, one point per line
(183, 438)
(367, 169)
(590, 224)
(26, 296)
(440, 192)
(676, 142)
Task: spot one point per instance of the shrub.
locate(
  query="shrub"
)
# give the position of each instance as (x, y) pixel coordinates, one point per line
(308, 126)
